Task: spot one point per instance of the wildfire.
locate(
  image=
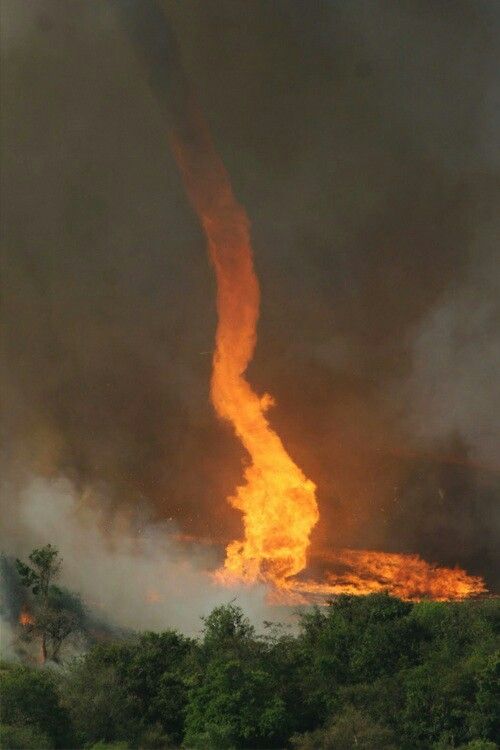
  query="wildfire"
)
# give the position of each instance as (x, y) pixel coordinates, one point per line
(405, 576)
(25, 618)
(277, 500)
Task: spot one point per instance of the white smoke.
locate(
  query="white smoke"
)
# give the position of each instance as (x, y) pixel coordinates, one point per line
(135, 576)
(456, 358)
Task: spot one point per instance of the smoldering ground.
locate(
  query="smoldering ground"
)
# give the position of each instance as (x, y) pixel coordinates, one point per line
(362, 139)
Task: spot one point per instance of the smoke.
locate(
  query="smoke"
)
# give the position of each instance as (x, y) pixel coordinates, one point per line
(456, 359)
(128, 571)
(362, 139)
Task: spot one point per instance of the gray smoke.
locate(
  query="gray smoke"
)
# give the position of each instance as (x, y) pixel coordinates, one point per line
(137, 575)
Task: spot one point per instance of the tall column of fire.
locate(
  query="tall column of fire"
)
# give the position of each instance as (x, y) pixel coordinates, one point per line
(278, 501)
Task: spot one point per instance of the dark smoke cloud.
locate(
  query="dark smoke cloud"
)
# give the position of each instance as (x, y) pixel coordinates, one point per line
(362, 139)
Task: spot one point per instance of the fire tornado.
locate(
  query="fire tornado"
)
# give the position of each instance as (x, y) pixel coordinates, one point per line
(277, 500)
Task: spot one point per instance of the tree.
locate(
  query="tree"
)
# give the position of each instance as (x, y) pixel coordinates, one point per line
(227, 630)
(57, 612)
(46, 567)
(157, 674)
(484, 713)
(356, 639)
(100, 707)
(134, 691)
(372, 673)
(235, 700)
(287, 662)
(30, 702)
(23, 738)
(235, 705)
(350, 729)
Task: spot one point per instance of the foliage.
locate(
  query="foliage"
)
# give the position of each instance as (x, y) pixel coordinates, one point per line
(226, 630)
(235, 704)
(46, 566)
(370, 672)
(30, 701)
(133, 691)
(349, 729)
(57, 612)
(100, 707)
(235, 699)
(23, 738)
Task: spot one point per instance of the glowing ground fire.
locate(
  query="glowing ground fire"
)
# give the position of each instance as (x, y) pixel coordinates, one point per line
(278, 501)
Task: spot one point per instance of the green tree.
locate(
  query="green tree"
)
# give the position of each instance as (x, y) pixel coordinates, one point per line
(355, 640)
(30, 700)
(46, 566)
(57, 613)
(484, 712)
(157, 673)
(350, 729)
(235, 706)
(226, 630)
(453, 630)
(235, 700)
(97, 700)
(23, 738)
(287, 662)
(134, 691)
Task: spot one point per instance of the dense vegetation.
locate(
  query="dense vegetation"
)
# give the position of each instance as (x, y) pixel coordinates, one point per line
(367, 672)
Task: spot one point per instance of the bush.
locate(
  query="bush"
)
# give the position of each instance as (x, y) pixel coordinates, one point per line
(98, 703)
(30, 699)
(351, 729)
(371, 673)
(23, 738)
(235, 705)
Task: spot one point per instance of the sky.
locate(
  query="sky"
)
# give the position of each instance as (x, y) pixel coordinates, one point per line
(362, 139)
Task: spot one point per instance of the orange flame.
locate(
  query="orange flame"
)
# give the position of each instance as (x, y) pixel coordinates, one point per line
(25, 618)
(278, 502)
(405, 576)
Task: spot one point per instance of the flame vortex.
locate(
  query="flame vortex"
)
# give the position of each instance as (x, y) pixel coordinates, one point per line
(278, 501)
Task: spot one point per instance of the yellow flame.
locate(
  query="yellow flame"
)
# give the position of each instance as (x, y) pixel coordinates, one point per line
(405, 576)
(278, 501)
